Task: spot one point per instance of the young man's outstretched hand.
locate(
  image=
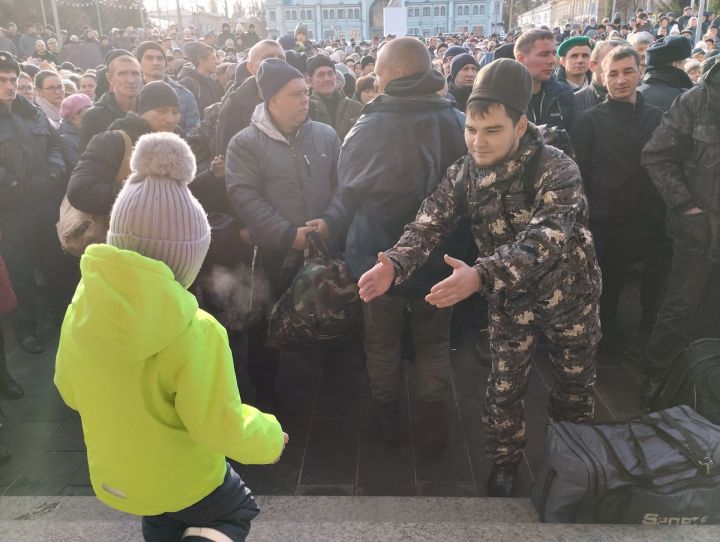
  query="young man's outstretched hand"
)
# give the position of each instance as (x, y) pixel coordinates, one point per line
(463, 282)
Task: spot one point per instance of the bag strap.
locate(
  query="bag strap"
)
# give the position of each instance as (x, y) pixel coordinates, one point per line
(690, 447)
(316, 247)
(460, 186)
(124, 169)
(530, 174)
(674, 381)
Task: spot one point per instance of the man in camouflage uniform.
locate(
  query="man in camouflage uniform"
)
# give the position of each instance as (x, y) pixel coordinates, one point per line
(536, 264)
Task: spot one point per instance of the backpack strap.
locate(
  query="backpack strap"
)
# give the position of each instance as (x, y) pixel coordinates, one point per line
(124, 169)
(460, 186)
(530, 175)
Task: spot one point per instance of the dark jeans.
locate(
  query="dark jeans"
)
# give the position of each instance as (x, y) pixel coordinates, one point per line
(384, 318)
(620, 245)
(688, 286)
(228, 510)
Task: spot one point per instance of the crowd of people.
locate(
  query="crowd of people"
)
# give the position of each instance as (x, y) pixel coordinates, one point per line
(528, 173)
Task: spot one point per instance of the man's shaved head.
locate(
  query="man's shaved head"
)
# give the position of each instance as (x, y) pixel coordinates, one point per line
(263, 50)
(401, 57)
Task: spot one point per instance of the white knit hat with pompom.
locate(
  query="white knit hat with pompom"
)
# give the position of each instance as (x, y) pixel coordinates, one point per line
(155, 214)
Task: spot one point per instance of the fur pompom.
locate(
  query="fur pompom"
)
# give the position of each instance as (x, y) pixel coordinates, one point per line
(162, 154)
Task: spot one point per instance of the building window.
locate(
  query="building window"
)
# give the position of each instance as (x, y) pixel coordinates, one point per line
(443, 12)
(436, 11)
(482, 9)
(309, 15)
(478, 30)
(294, 15)
(287, 14)
(272, 17)
(340, 14)
(325, 14)
(414, 31)
(417, 12)
(332, 14)
(466, 11)
(459, 10)
(357, 14)
(410, 12)
(426, 11)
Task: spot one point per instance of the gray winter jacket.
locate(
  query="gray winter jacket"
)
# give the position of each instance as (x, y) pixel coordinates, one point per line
(276, 185)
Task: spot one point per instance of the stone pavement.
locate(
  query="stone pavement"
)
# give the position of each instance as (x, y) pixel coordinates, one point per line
(334, 445)
(338, 519)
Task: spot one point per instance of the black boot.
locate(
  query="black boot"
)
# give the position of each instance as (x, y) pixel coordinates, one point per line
(432, 428)
(502, 480)
(388, 418)
(31, 344)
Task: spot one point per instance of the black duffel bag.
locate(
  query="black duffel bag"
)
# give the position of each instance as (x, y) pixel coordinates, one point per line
(694, 380)
(661, 468)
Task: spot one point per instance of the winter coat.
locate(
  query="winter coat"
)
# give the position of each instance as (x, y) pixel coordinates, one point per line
(98, 118)
(276, 185)
(536, 255)
(460, 95)
(662, 84)
(608, 140)
(8, 45)
(73, 53)
(92, 55)
(347, 114)
(189, 114)
(152, 378)
(390, 162)
(26, 47)
(558, 106)
(683, 160)
(588, 97)
(206, 90)
(236, 111)
(32, 169)
(92, 187)
(69, 144)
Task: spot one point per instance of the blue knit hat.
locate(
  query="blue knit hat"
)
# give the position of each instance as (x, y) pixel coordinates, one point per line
(273, 75)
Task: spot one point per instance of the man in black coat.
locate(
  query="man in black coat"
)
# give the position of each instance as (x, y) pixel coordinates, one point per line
(595, 92)
(665, 79)
(238, 106)
(32, 172)
(125, 79)
(198, 78)
(552, 102)
(391, 160)
(683, 160)
(626, 213)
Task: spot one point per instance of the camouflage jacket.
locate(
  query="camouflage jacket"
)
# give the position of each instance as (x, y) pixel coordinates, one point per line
(523, 251)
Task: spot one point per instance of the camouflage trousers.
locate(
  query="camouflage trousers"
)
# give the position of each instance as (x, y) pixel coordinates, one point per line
(572, 346)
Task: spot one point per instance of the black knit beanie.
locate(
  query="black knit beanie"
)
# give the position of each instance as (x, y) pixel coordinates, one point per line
(504, 81)
(157, 94)
(319, 61)
(147, 45)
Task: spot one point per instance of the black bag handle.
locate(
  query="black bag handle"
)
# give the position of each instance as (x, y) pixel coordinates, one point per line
(317, 247)
(690, 448)
(673, 381)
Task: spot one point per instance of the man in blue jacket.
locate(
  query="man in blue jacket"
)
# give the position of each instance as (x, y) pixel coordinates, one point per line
(390, 162)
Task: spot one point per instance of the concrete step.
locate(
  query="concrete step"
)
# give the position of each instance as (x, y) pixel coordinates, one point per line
(337, 519)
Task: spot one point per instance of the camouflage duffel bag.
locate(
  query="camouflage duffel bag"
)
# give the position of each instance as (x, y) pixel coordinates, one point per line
(321, 304)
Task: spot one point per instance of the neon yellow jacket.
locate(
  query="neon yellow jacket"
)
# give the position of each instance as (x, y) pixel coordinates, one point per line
(152, 378)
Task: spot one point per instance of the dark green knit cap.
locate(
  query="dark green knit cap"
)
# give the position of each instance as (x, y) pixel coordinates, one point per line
(575, 41)
(504, 81)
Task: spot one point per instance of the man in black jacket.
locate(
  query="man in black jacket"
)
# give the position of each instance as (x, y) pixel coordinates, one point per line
(198, 78)
(31, 184)
(390, 162)
(626, 213)
(595, 92)
(683, 161)
(463, 69)
(239, 104)
(125, 80)
(552, 102)
(665, 79)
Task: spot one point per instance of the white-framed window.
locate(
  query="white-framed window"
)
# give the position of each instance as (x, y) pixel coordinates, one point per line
(332, 14)
(459, 9)
(478, 30)
(426, 11)
(436, 11)
(294, 15)
(476, 9)
(309, 14)
(410, 12)
(443, 11)
(340, 14)
(272, 17)
(288, 15)
(466, 10)
(326, 14)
